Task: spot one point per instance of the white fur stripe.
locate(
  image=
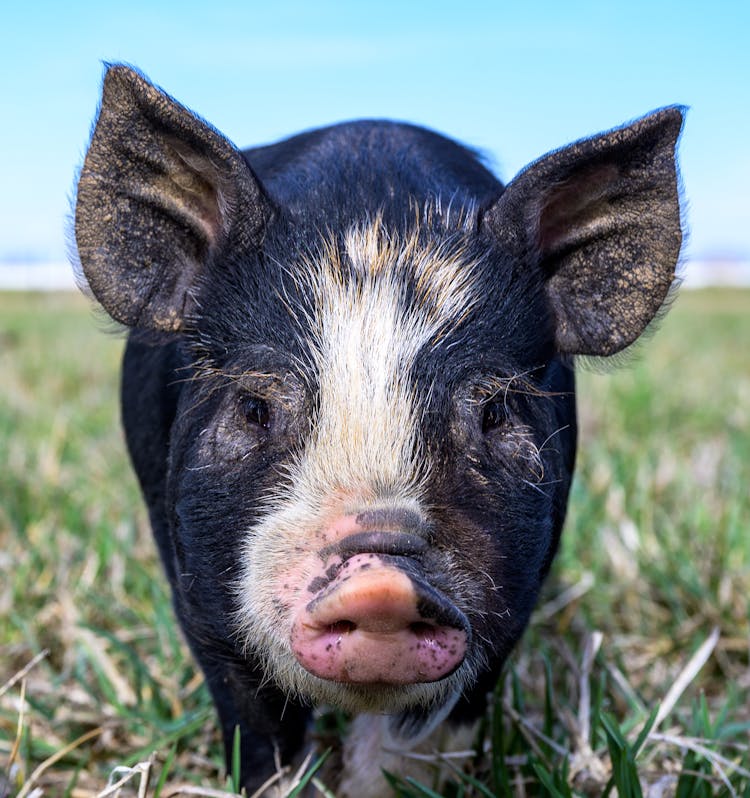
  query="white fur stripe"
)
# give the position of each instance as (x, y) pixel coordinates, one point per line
(365, 342)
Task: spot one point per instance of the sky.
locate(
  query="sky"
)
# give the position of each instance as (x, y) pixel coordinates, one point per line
(513, 79)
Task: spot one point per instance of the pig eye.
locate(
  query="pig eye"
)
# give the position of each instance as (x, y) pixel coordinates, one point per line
(255, 410)
(494, 415)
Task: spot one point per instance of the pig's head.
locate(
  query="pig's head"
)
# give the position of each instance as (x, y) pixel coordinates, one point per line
(375, 434)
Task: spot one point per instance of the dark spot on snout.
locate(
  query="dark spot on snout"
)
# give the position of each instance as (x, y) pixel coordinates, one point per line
(398, 544)
(320, 582)
(317, 584)
(438, 609)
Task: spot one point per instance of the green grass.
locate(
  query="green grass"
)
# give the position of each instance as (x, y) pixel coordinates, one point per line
(656, 555)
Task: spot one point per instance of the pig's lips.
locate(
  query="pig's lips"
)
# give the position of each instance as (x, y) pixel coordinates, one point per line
(374, 624)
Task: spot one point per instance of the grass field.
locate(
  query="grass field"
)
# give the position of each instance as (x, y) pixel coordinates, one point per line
(634, 678)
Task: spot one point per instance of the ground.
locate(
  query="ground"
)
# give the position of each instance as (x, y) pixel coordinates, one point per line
(646, 607)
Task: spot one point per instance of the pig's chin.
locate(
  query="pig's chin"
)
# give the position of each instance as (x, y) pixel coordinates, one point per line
(377, 697)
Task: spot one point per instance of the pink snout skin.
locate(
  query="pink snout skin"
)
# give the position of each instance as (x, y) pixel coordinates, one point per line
(365, 628)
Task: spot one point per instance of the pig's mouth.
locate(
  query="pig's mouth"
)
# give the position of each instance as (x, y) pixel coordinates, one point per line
(371, 617)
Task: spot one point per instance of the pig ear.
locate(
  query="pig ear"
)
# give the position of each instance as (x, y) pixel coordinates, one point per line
(160, 193)
(602, 220)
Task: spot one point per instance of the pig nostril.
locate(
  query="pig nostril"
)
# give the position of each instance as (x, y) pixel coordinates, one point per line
(342, 627)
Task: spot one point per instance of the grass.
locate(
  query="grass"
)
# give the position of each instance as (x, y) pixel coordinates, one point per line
(634, 679)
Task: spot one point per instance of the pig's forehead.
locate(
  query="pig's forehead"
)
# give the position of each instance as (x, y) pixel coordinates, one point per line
(372, 292)
(379, 278)
(435, 298)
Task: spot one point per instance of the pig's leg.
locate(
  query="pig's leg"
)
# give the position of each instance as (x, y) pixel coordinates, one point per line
(269, 723)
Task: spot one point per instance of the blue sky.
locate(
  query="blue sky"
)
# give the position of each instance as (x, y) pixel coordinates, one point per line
(516, 80)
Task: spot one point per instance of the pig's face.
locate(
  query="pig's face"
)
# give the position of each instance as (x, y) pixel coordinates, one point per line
(348, 392)
(372, 463)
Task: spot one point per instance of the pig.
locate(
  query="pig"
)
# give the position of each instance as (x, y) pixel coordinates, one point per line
(348, 396)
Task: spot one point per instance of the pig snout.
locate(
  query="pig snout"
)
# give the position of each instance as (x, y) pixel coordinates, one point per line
(373, 618)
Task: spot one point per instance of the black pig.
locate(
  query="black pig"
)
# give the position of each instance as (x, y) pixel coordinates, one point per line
(348, 395)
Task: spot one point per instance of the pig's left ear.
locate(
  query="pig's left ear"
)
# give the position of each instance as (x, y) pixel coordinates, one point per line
(601, 218)
(160, 194)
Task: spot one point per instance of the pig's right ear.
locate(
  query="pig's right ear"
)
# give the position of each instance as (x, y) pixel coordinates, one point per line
(160, 193)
